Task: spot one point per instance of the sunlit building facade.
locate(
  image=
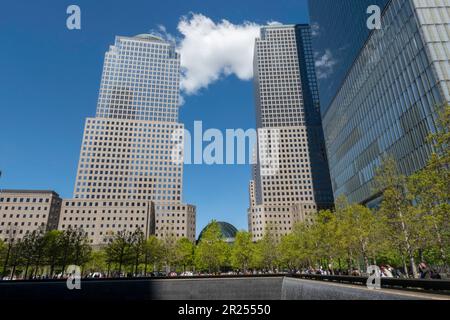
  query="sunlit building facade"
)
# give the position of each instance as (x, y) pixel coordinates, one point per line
(292, 169)
(127, 148)
(24, 211)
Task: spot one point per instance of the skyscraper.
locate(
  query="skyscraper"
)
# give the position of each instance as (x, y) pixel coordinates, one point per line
(339, 33)
(126, 153)
(295, 182)
(385, 100)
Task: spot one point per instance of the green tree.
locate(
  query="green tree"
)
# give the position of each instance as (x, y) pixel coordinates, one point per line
(152, 252)
(97, 262)
(243, 251)
(81, 248)
(304, 244)
(118, 251)
(53, 249)
(137, 248)
(429, 190)
(66, 241)
(184, 253)
(328, 237)
(399, 214)
(212, 251)
(290, 255)
(32, 250)
(359, 230)
(9, 243)
(168, 251)
(267, 254)
(37, 248)
(3, 249)
(15, 257)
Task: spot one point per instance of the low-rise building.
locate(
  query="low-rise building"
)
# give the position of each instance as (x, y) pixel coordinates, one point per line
(175, 221)
(23, 211)
(102, 219)
(279, 221)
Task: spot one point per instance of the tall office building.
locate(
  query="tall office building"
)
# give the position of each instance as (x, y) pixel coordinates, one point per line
(126, 153)
(385, 99)
(291, 178)
(339, 33)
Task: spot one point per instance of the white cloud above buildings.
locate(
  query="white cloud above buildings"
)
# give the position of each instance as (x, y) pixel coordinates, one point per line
(211, 50)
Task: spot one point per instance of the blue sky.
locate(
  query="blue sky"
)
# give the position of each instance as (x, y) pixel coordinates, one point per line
(49, 81)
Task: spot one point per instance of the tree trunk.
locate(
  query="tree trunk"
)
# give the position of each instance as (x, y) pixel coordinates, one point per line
(120, 264)
(145, 264)
(64, 262)
(26, 270)
(409, 249)
(136, 264)
(13, 271)
(421, 255)
(364, 253)
(330, 265)
(38, 262)
(122, 253)
(441, 245)
(52, 266)
(5, 265)
(405, 266)
(349, 262)
(14, 266)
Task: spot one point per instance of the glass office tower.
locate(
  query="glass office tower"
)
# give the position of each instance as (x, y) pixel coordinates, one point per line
(339, 33)
(387, 98)
(289, 125)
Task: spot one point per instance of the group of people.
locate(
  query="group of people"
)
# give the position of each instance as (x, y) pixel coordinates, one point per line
(386, 271)
(427, 272)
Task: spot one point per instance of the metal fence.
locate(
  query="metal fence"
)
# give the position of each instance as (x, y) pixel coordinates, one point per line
(393, 283)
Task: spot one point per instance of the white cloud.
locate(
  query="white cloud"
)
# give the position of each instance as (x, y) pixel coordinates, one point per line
(211, 50)
(325, 64)
(315, 29)
(181, 100)
(161, 32)
(274, 23)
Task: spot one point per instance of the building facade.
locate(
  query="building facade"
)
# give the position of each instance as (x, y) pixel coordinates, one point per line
(335, 46)
(24, 211)
(102, 219)
(387, 102)
(292, 169)
(127, 149)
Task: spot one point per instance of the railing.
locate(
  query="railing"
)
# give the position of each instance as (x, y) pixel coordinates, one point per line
(219, 276)
(393, 283)
(442, 286)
